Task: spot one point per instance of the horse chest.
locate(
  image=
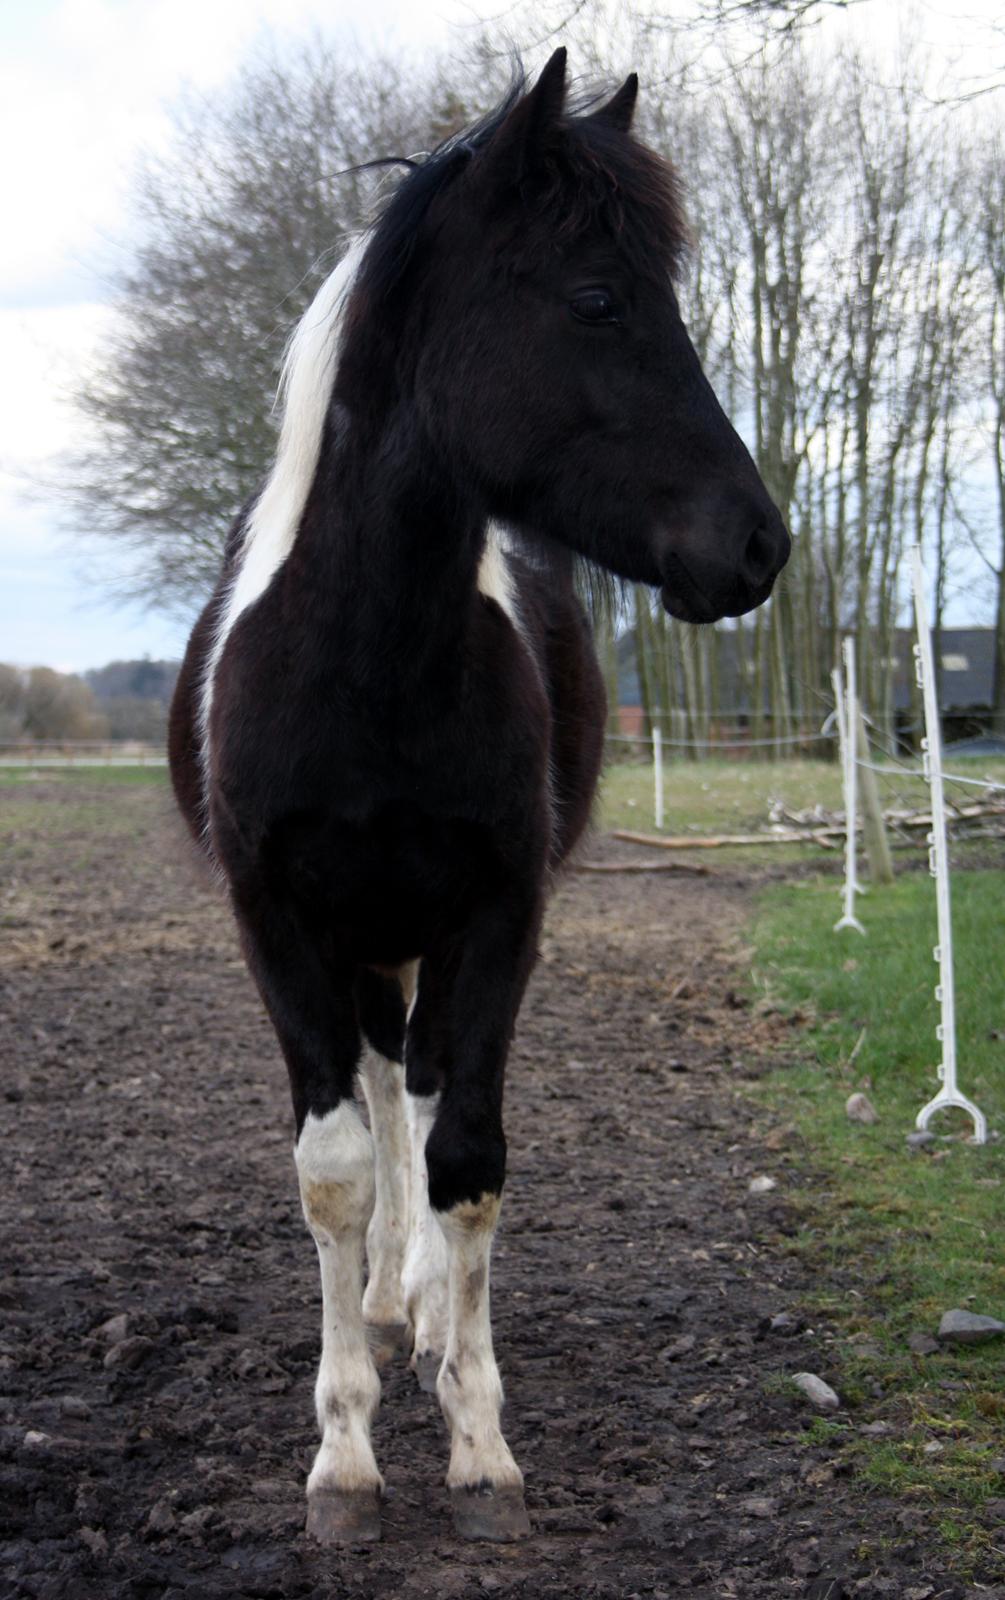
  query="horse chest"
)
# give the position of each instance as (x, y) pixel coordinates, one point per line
(313, 718)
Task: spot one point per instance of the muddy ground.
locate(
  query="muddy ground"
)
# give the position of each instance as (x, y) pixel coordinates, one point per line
(148, 1175)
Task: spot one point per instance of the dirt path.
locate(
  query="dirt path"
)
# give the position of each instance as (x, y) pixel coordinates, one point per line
(148, 1174)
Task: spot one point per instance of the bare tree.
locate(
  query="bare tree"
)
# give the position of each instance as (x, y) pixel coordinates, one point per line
(991, 213)
(238, 224)
(12, 687)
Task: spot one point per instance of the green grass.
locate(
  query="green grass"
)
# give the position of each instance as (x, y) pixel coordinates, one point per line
(29, 778)
(734, 796)
(898, 1238)
(714, 796)
(63, 811)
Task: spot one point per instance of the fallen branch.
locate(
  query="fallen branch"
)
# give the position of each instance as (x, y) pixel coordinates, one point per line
(644, 866)
(824, 837)
(897, 817)
(699, 841)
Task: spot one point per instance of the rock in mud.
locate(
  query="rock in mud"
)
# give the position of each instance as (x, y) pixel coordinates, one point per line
(160, 1521)
(817, 1392)
(761, 1185)
(71, 1405)
(114, 1330)
(757, 1505)
(129, 1353)
(784, 1323)
(680, 1347)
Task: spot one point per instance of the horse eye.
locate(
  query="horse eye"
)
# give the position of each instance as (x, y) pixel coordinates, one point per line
(595, 305)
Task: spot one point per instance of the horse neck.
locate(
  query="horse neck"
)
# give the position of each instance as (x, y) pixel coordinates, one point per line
(385, 563)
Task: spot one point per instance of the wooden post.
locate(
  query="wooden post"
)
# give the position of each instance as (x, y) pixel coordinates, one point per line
(877, 844)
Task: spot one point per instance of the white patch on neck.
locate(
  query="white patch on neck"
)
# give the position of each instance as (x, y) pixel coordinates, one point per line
(495, 575)
(496, 581)
(305, 387)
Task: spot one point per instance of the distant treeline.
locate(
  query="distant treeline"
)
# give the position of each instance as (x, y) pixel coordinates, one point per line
(125, 700)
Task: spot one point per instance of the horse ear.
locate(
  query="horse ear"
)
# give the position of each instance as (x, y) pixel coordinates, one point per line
(618, 112)
(548, 94)
(512, 150)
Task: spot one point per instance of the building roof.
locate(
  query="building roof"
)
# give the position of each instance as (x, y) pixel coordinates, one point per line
(965, 670)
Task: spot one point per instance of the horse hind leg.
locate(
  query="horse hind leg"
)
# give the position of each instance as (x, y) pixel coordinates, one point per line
(425, 1271)
(381, 1001)
(406, 1298)
(426, 1266)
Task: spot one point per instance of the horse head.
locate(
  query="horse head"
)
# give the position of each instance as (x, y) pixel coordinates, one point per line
(526, 273)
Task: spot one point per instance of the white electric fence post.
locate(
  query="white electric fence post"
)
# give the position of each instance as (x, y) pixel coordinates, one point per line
(658, 774)
(938, 863)
(847, 712)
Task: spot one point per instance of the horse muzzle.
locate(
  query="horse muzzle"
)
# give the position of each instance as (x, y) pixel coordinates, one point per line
(715, 566)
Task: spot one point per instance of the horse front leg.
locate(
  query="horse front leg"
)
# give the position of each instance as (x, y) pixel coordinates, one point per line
(314, 1013)
(466, 1162)
(335, 1166)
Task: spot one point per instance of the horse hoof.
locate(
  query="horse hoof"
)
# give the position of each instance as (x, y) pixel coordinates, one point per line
(426, 1367)
(344, 1516)
(387, 1339)
(489, 1512)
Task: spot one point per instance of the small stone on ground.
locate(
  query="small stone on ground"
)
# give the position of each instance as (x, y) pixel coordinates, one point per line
(967, 1327)
(923, 1344)
(920, 1141)
(761, 1185)
(816, 1391)
(859, 1108)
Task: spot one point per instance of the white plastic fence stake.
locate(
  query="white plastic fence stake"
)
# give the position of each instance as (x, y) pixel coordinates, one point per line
(658, 774)
(845, 715)
(938, 861)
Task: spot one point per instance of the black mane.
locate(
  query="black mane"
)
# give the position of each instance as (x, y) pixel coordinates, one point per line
(398, 223)
(594, 173)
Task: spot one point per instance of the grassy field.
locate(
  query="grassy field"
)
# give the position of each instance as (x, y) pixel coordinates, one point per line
(700, 796)
(85, 810)
(31, 777)
(899, 1237)
(735, 796)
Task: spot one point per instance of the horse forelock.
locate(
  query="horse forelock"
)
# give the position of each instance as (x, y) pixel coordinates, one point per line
(600, 179)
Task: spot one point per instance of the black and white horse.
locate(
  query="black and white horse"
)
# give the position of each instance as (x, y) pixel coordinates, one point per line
(387, 730)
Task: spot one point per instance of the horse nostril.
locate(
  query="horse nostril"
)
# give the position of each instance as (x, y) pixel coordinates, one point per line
(760, 558)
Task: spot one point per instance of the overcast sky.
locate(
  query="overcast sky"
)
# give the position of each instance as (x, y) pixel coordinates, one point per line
(84, 86)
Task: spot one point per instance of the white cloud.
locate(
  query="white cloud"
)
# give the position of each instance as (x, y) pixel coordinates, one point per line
(44, 351)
